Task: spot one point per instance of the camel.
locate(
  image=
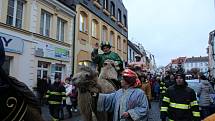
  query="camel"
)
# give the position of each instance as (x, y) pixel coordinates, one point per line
(88, 83)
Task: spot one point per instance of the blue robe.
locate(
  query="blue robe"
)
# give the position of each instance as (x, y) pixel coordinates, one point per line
(131, 100)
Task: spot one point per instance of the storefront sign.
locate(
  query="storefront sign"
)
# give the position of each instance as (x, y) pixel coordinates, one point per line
(12, 43)
(51, 51)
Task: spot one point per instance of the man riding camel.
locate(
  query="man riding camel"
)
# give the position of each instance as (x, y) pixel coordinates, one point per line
(107, 55)
(100, 60)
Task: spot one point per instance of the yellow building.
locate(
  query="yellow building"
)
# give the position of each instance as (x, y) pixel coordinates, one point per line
(38, 37)
(96, 21)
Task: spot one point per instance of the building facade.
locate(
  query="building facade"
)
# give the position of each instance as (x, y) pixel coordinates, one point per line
(211, 54)
(99, 20)
(38, 37)
(132, 51)
(200, 63)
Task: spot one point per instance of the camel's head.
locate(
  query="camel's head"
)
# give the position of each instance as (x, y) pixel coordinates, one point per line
(108, 70)
(85, 77)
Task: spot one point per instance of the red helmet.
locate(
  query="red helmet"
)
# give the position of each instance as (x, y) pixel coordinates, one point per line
(129, 73)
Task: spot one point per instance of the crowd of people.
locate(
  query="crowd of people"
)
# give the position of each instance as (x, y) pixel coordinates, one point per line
(131, 102)
(139, 87)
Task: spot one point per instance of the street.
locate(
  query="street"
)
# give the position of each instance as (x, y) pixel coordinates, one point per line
(154, 114)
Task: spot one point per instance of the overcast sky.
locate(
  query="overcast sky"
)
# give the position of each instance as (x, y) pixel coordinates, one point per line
(171, 28)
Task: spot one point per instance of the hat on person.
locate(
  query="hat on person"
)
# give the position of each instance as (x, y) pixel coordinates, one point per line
(2, 53)
(105, 43)
(130, 76)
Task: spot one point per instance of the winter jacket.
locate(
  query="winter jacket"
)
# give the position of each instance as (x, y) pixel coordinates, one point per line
(146, 87)
(68, 93)
(203, 93)
(180, 104)
(156, 87)
(56, 94)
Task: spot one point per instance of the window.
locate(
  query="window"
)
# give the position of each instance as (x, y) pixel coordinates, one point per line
(191, 64)
(118, 43)
(119, 18)
(105, 4)
(124, 46)
(83, 22)
(15, 13)
(112, 9)
(60, 29)
(45, 22)
(206, 64)
(94, 28)
(112, 38)
(130, 55)
(104, 33)
(42, 70)
(59, 70)
(7, 64)
(125, 21)
(201, 64)
(196, 64)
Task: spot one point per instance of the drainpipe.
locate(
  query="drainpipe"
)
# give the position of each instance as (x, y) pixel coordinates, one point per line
(73, 45)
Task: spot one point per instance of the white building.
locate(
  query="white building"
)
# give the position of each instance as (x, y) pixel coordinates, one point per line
(200, 63)
(38, 37)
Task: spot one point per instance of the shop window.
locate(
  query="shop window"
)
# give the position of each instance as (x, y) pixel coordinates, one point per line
(45, 23)
(15, 12)
(6, 65)
(43, 69)
(59, 70)
(84, 63)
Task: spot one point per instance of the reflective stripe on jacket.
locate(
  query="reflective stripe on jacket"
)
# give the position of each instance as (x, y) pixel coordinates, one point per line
(179, 103)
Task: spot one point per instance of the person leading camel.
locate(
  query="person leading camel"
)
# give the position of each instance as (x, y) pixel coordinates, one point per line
(128, 103)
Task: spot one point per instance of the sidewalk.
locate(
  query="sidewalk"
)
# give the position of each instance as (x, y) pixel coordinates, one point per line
(47, 117)
(154, 113)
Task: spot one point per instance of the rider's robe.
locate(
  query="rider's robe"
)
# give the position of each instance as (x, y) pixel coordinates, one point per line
(132, 100)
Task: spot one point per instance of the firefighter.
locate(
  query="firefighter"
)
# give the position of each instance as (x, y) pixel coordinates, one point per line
(179, 102)
(56, 94)
(162, 90)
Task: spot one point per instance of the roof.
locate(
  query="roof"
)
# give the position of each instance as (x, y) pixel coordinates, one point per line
(134, 47)
(179, 60)
(197, 59)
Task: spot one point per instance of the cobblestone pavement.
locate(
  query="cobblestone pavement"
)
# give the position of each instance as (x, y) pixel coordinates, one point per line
(154, 114)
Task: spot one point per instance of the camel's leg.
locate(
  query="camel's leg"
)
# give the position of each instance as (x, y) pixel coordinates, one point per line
(84, 105)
